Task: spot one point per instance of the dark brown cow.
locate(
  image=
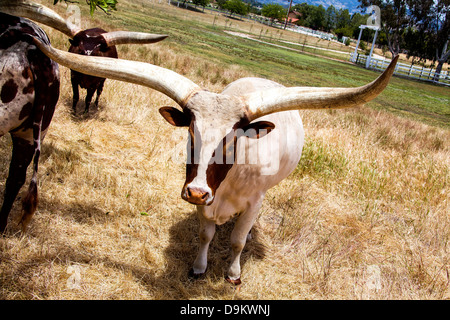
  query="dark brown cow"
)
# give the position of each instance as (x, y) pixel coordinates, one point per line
(89, 42)
(29, 90)
(100, 43)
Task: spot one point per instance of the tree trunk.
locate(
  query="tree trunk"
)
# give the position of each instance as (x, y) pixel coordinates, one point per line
(441, 60)
(393, 43)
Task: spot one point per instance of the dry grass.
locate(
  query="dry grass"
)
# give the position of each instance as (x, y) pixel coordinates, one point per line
(365, 215)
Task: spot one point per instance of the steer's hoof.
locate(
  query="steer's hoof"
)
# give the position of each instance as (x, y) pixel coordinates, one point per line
(235, 282)
(194, 275)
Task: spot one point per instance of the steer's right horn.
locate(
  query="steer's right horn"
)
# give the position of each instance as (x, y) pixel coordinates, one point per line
(126, 37)
(38, 13)
(173, 85)
(296, 98)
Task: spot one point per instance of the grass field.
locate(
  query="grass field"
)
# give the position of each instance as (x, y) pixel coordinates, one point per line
(364, 216)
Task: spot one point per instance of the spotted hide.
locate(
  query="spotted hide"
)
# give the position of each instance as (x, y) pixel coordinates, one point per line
(29, 90)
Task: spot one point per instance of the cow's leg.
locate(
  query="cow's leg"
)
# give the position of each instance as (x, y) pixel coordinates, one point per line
(239, 236)
(207, 231)
(76, 93)
(89, 95)
(30, 201)
(22, 154)
(99, 92)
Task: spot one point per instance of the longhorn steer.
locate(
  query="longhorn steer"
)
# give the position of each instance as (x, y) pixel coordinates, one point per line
(29, 90)
(216, 181)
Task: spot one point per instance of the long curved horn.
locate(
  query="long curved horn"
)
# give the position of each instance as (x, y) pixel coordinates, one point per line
(170, 83)
(126, 37)
(296, 98)
(38, 13)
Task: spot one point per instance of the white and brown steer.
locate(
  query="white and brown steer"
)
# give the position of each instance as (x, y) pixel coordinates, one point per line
(248, 112)
(29, 90)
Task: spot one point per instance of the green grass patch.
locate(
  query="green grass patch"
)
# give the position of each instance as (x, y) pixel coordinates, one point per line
(417, 100)
(321, 161)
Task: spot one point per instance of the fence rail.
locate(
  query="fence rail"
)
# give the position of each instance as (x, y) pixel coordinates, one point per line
(406, 70)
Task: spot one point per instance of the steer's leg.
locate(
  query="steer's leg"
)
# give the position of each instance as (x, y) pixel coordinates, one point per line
(207, 230)
(30, 201)
(239, 236)
(76, 92)
(99, 92)
(23, 151)
(89, 95)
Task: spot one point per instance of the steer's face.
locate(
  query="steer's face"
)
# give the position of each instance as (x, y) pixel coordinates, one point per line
(215, 123)
(90, 42)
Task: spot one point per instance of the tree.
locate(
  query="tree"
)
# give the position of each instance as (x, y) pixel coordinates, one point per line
(221, 3)
(305, 10)
(317, 18)
(431, 28)
(343, 18)
(394, 20)
(330, 18)
(415, 44)
(104, 5)
(236, 6)
(356, 21)
(273, 11)
(202, 3)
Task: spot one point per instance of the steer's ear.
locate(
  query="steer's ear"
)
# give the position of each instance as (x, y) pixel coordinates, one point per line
(74, 42)
(175, 117)
(258, 129)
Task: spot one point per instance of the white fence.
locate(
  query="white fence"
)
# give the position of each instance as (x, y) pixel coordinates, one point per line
(406, 70)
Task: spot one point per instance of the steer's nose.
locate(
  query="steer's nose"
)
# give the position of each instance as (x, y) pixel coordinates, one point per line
(196, 195)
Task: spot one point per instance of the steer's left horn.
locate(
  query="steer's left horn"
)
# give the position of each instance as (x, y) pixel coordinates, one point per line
(126, 37)
(170, 83)
(296, 98)
(38, 13)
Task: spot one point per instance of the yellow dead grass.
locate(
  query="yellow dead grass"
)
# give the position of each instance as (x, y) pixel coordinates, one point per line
(367, 219)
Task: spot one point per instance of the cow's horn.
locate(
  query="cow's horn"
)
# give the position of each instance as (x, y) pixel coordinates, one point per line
(38, 13)
(170, 83)
(127, 37)
(295, 98)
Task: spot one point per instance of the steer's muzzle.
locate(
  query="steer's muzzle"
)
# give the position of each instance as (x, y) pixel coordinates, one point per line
(197, 195)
